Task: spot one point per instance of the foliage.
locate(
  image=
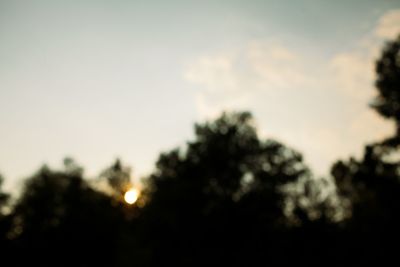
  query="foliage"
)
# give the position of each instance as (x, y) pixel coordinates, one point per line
(60, 214)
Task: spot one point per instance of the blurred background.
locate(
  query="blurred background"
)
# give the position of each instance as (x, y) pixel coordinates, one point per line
(199, 132)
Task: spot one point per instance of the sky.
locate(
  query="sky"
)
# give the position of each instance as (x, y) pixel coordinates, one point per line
(97, 80)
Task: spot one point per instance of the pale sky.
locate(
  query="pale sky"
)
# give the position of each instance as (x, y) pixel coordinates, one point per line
(96, 80)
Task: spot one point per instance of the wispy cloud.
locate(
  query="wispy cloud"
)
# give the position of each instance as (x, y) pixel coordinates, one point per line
(353, 70)
(237, 80)
(274, 63)
(389, 25)
(319, 108)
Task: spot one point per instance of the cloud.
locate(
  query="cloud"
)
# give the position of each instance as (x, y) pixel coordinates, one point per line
(369, 126)
(319, 108)
(229, 81)
(222, 85)
(276, 65)
(214, 73)
(389, 25)
(353, 74)
(353, 70)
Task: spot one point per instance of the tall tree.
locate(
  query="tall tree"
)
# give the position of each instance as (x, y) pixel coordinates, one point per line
(370, 187)
(4, 219)
(387, 103)
(59, 216)
(4, 197)
(118, 178)
(222, 198)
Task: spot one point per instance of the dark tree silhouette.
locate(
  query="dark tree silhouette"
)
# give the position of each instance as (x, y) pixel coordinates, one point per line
(370, 187)
(387, 102)
(3, 196)
(370, 190)
(60, 220)
(118, 177)
(221, 200)
(4, 219)
(388, 81)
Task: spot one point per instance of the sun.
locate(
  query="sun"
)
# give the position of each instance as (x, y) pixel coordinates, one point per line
(131, 196)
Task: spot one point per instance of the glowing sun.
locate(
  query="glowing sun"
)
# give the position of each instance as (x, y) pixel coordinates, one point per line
(131, 195)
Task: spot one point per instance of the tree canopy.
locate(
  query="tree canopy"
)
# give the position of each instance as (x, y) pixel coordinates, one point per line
(370, 187)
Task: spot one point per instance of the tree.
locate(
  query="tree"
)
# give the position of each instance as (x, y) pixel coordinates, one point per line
(4, 197)
(370, 187)
(222, 198)
(387, 103)
(59, 216)
(118, 178)
(4, 219)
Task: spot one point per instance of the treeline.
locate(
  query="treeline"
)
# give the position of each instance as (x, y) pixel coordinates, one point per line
(228, 198)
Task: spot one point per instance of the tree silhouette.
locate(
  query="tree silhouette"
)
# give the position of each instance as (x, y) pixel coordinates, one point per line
(60, 217)
(387, 102)
(370, 187)
(388, 81)
(4, 219)
(221, 199)
(118, 178)
(4, 197)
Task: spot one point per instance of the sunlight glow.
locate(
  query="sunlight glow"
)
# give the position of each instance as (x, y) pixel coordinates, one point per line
(131, 195)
